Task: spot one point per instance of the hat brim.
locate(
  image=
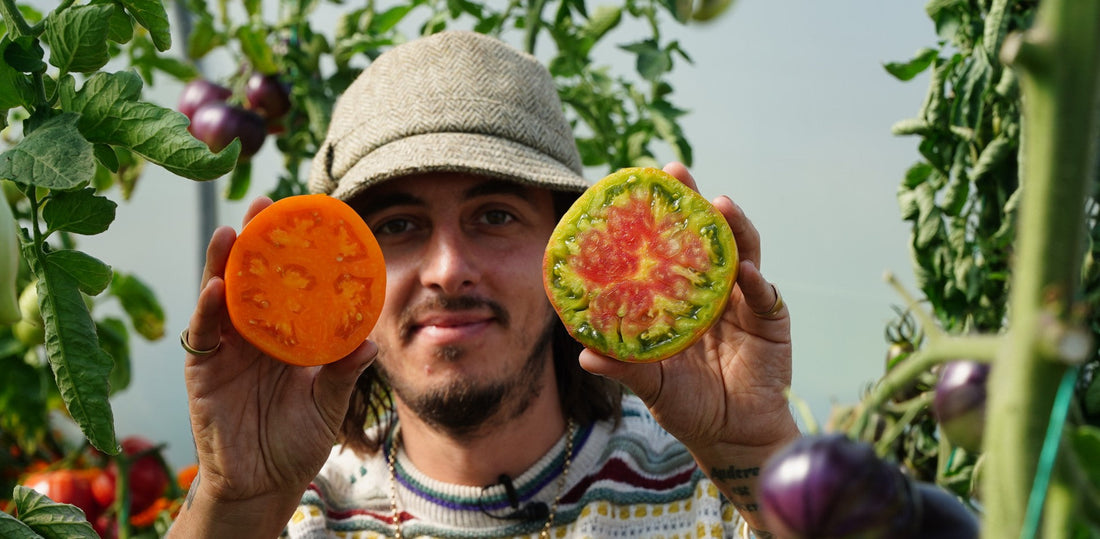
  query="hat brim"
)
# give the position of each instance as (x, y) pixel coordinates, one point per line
(470, 153)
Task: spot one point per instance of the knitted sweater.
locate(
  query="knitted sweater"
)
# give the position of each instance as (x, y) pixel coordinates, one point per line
(633, 480)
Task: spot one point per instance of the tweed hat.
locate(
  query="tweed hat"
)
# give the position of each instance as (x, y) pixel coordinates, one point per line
(455, 101)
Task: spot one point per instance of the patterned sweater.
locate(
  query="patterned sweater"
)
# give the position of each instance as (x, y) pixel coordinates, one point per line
(630, 481)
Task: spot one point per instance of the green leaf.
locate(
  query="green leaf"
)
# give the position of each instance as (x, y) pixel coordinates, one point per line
(204, 37)
(79, 212)
(929, 224)
(254, 45)
(121, 25)
(25, 54)
(680, 9)
(15, 87)
(651, 62)
(80, 367)
(152, 15)
(1092, 397)
(13, 528)
(110, 113)
(76, 38)
(50, 519)
(239, 182)
(385, 21)
(88, 273)
(179, 69)
(54, 156)
(664, 121)
(955, 197)
(23, 399)
(106, 156)
(140, 303)
(907, 70)
(1086, 443)
(917, 174)
(115, 340)
(602, 21)
(998, 151)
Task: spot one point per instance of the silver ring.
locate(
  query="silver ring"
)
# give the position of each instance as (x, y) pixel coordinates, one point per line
(192, 351)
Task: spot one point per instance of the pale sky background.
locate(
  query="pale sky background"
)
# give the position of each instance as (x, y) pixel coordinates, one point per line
(790, 116)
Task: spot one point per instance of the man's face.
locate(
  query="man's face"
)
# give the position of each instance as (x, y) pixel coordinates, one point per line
(465, 329)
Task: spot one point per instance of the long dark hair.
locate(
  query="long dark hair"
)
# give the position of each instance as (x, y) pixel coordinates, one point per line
(585, 398)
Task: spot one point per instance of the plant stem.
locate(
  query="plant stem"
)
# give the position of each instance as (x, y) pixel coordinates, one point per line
(14, 18)
(940, 348)
(1058, 61)
(534, 24)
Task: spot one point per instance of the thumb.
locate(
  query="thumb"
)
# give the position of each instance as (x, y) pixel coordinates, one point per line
(335, 381)
(643, 379)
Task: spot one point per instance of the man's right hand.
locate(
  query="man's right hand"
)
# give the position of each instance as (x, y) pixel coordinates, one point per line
(262, 428)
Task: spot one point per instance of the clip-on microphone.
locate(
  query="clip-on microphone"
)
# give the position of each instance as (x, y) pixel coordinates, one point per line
(530, 511)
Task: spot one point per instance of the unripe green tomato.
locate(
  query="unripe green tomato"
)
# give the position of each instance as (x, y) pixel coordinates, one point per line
(28, 305)
(28, 333)
(11, 191)
(9, 265)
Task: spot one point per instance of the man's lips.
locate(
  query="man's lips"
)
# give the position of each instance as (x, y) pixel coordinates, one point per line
(450, 326)
(451, 318)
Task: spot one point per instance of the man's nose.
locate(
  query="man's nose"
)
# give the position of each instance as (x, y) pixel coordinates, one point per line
(449, 264)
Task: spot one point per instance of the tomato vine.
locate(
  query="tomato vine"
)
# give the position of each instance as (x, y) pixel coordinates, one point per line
(77, 134)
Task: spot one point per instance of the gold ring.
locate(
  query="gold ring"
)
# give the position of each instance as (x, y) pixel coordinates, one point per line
(773, 312)
(192, 351)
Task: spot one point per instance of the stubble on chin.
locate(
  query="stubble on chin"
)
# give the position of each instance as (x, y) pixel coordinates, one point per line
(463, 408)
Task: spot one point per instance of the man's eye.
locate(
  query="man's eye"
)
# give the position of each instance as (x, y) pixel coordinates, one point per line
(498, 217)
(393, 226)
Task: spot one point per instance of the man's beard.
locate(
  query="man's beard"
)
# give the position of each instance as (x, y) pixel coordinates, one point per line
(463, 407)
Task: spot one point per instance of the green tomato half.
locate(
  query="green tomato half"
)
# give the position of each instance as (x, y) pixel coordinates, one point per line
(641, 266)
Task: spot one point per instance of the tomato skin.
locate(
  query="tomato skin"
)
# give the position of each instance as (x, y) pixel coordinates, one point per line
(198, 93)
(67, 486)
(103, 488)
(959, 403)
(218, 123)
(267, 95)
(943, 516)
(830, 486)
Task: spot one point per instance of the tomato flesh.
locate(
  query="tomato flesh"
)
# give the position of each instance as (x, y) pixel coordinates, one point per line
(640, 266)
(306, 284)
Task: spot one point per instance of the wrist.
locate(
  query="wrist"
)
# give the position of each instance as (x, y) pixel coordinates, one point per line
(735, 469)
(205, 515)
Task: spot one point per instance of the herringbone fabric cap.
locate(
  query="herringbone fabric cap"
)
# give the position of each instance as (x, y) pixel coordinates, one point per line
(452, 102)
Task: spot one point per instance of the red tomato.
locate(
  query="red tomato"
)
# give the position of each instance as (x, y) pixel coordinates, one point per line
(67, 486)
(148, 479)
(103, 488)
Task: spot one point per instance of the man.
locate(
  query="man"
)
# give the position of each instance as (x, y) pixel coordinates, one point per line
(480, 419)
